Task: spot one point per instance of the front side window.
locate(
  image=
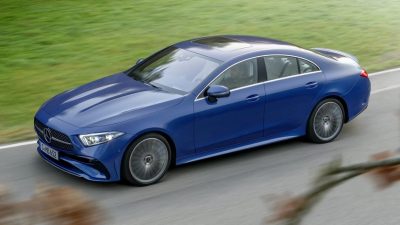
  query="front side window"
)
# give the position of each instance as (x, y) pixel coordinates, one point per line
(174, 68)
(240, 75)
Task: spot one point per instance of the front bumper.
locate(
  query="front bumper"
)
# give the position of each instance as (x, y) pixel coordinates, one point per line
(100, 163)
(87, 168)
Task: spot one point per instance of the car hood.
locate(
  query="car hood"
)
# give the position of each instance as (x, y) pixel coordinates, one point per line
(108, 100)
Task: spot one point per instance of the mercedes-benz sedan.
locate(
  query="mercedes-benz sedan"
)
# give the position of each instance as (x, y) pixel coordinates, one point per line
(198, 99)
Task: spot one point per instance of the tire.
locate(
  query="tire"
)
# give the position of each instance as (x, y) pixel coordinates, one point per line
(326, 121)
(147, 160)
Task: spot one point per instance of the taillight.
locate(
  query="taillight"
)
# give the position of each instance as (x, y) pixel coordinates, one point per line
(364, 73)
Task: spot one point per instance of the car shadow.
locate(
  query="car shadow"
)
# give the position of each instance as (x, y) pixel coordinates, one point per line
(56, 176)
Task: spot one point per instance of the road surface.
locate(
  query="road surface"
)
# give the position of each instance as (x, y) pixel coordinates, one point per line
(231, 189)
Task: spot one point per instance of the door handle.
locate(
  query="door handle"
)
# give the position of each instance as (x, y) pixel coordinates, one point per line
(253, 98)
(312, 84)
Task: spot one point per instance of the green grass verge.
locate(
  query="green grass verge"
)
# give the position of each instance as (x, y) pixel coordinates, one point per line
(50, 46)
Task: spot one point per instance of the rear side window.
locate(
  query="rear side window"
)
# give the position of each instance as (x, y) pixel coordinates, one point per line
(286, 66)
(280, 66)
(307, 66)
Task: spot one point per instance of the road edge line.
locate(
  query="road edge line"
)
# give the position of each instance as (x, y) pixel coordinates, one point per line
(18, 144)
(384, 71)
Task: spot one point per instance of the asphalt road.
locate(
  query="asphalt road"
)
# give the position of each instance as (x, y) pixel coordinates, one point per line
(231, 189)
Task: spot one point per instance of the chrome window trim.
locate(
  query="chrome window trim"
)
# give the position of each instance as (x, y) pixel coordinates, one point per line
(267, 81)
(297, 75)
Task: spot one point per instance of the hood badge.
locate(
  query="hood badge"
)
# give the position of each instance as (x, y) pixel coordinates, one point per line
(47, 135)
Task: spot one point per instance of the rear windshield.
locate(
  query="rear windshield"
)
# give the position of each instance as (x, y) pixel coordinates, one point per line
(319, 52)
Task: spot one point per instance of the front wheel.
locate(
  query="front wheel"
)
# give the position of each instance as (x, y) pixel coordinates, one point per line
(147, 160)
(326, 121)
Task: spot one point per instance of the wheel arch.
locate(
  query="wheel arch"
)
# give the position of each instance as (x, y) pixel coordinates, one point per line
(171, 144)
(155, 131)
(341, 100)
(311, 134)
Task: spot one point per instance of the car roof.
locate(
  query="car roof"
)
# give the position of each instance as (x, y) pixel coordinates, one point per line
(227, 47)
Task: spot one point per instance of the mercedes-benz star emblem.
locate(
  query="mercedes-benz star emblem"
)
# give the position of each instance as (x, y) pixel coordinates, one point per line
(47, 135)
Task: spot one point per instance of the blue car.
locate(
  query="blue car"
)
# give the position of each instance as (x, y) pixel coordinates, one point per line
(198, 99)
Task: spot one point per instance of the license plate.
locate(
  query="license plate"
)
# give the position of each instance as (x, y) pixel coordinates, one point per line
(49, 151)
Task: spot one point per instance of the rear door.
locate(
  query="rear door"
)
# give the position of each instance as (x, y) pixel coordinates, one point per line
(292, 87)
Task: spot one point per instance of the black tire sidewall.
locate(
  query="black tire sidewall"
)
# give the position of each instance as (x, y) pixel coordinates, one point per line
(310, 125)
(125, 171)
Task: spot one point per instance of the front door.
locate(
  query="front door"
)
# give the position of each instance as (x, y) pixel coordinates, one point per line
(236, 119)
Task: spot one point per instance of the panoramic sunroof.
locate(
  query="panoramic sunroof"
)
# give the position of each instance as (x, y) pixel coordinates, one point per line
(222, 43)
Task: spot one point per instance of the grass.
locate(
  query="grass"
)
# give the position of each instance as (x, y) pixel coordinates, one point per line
(47, 47)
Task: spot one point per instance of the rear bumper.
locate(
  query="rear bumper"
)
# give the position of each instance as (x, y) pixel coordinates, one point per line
(358, 98)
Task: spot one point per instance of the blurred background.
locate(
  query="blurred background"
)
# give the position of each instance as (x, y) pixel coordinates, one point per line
(47, 47)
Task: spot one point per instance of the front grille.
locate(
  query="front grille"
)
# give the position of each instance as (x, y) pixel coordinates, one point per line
(58, 139)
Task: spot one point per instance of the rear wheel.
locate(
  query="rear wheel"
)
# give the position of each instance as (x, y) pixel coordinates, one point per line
(147, 160)
(326, 121)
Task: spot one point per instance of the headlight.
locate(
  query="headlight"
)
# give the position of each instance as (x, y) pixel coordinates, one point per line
(98, 138)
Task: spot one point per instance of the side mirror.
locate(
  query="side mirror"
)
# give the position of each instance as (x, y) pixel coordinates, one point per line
(139, 61)
(217, 91)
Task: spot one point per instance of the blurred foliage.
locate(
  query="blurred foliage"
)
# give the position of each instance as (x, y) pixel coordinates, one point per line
(384, 168)
(47, 47)
(50, 205)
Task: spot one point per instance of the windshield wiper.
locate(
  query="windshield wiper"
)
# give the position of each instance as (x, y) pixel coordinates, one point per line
(150, 84)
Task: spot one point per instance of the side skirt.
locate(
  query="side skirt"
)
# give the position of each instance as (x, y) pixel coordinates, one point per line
(205, 155)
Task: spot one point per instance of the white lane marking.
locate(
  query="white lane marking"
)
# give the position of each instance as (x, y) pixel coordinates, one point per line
(373, 92)
(384, 71)
(18, 144)
(385, 89)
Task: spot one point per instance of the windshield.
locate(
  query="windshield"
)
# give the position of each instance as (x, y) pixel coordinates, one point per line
(174, 68)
